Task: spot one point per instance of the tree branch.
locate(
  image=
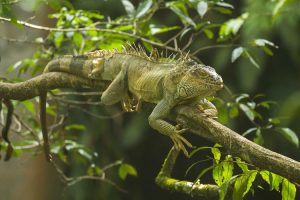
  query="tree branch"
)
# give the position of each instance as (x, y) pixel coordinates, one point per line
(237, 145)
(165, 181)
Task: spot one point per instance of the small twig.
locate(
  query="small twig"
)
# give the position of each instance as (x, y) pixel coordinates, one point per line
(97, 116)
(19, 40)
(132, 35)
(74, 102)
(73, 180)
(212, 47)
(77, 93)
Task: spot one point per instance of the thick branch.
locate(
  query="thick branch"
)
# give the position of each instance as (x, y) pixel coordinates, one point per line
(238, 145)
(45, 82)
(164, 180)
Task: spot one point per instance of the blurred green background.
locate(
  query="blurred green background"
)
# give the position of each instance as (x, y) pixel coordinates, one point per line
(128, 136)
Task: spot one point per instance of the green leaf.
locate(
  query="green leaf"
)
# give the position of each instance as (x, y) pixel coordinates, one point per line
(242, 165)
(129, 7)
(236, 53)
(278, 7)
(225, 5)
(289, 135)
(143, 8)
(209, 34)
(202, 8)
(258, 139)
(157, 29)
(288, 191)
(82, 152)
(241, 97)
(233, 111)
(223, 171)
(77, 39)
(29, 105)
(250, 130)
(181, 11)
(263, 42)
(232, 26)
(79, 127)
(243, 184)
(272, 179)
(125, 170)
(197, 150)
(249, 56)
(204, 172)
(58, 38)
(274, 120)
(94, 170)
(216, 153)
(248, 111)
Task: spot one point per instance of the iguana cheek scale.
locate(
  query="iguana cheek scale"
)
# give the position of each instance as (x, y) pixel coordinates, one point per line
(166, 83)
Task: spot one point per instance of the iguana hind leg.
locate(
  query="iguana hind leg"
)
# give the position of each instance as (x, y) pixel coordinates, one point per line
(117, 90)
(156, 121)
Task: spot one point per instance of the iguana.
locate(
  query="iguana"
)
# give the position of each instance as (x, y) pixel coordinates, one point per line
(165, 82)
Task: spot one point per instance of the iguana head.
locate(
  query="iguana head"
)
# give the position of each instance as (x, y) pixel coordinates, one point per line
(199, 80)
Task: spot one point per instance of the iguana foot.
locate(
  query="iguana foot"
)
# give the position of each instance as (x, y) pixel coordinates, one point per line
(128, 105)
(179, 141)
(211, 113)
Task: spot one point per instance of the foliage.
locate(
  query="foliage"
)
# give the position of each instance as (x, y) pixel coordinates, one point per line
(194, 26)
(223, 174)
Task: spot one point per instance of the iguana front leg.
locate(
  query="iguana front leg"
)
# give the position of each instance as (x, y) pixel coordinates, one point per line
(207, 108)
(156, 121)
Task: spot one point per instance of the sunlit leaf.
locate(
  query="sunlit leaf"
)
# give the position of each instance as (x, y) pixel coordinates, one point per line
(288, 191)
(272, 179)
(216, 153)
(157, 29)
(129, 7)
(224, 4)
(289, 135)
(143, 8)
(248, 111)
(250, 130)
(236, 53)
(232, 26)
(125, 170)
(77, 39)
(202, 8)
(241, 164)
(180, 10)
(243, 184)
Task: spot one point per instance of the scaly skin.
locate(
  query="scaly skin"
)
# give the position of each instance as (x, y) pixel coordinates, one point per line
(166, 84)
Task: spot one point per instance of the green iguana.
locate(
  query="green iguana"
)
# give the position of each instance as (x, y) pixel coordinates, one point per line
(166, 83)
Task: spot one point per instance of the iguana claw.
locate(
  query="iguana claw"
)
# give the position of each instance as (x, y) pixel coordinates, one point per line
(179, 141)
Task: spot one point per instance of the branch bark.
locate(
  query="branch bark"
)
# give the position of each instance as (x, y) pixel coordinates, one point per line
(237, 145)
